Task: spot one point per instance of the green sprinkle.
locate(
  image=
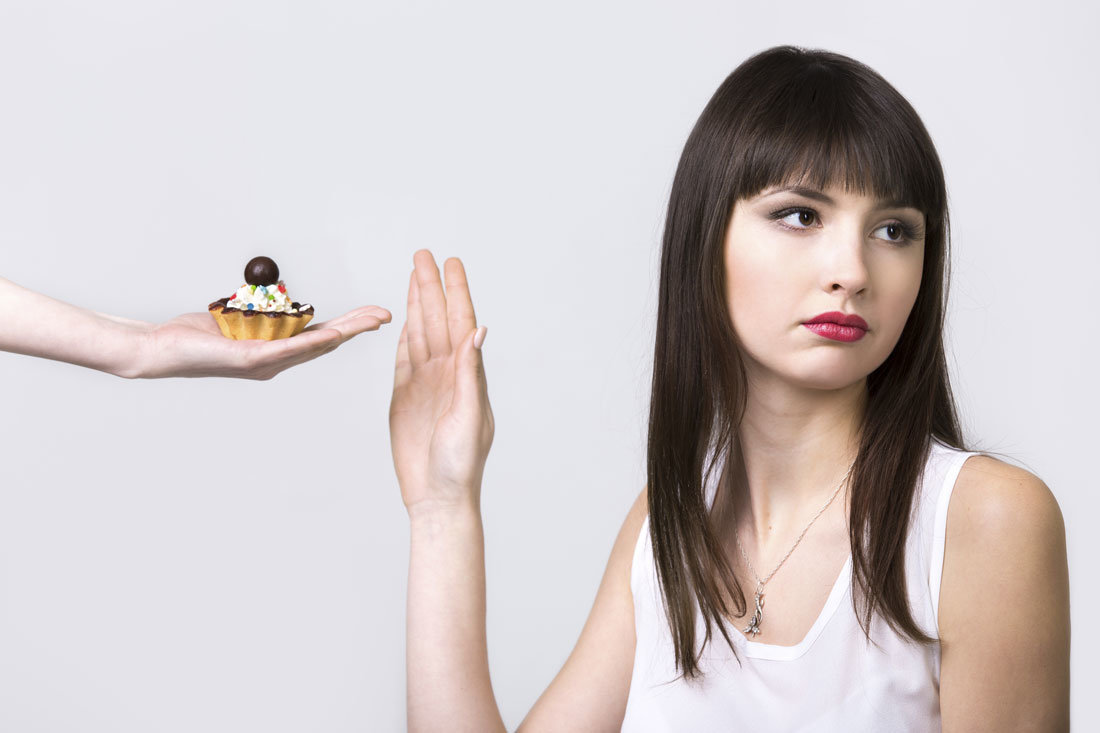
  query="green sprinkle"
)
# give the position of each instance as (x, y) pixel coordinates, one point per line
(253, 288)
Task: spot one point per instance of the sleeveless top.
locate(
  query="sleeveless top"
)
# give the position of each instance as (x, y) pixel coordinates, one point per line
(832, 680)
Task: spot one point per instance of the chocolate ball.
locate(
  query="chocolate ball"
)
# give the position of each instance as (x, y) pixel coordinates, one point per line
(261, 271)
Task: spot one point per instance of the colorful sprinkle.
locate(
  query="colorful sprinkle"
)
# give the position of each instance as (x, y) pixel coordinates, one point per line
(233, 296)
(270, 296)
(251, 307)
(253, 288)
(282, 288)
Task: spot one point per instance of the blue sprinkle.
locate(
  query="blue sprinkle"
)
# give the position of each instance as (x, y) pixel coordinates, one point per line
(250, 306)
(263, 290)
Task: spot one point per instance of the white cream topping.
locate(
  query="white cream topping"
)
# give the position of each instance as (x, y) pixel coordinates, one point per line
(264, 298)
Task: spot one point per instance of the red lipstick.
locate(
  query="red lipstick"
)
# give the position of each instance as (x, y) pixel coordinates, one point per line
(838, 326)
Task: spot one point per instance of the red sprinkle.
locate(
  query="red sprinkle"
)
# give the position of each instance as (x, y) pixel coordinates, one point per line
(282, 288)
(233, 296)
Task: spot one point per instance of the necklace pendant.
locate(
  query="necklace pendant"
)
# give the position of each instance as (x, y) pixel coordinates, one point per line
(754, 623)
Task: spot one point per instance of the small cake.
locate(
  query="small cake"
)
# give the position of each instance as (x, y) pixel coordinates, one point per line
(260, 309)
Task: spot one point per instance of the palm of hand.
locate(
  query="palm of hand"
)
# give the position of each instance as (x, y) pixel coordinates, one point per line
(424, 422)
(191, 345)
(441, 424)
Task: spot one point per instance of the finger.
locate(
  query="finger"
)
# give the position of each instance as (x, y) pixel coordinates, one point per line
(460, 309)
(402, 370)
(418, 343)
(312, 342)
(471, 388)
(433, 303)
(482, 381)
(381, 314)
(352, 328)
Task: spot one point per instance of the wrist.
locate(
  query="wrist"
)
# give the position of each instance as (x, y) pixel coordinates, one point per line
(430, 513)
(134, 358)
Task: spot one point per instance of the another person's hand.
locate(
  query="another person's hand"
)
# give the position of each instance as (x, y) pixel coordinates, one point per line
(188, 346)
(192, 346)
(441, 423)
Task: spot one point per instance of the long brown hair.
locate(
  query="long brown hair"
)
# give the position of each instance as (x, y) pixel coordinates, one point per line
(784, 115)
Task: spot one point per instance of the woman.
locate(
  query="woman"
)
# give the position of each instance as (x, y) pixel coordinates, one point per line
(814, 549)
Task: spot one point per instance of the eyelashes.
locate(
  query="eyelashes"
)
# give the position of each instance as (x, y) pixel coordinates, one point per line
(807, 217)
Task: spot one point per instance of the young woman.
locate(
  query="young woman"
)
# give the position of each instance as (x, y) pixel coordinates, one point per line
(815, 549)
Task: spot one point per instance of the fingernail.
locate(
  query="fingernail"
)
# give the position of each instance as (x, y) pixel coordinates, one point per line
(479, 337)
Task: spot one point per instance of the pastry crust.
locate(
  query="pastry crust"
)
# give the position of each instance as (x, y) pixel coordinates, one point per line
(239, 325)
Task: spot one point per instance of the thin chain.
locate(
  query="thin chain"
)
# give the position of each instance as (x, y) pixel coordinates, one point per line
(761, 583)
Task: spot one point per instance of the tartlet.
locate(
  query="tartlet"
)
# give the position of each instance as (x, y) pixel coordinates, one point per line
(260, 309)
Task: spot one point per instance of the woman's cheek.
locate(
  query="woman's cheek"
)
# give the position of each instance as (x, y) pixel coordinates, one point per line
(904, 287)
(755, 312)
(756, 280)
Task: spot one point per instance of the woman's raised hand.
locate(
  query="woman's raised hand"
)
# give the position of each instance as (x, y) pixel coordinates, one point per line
(441, 427)
(441, 424)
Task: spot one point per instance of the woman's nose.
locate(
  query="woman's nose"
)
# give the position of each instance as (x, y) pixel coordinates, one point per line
(844, 261)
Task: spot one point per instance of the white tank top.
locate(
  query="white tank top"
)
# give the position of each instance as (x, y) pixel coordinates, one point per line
(832, 680)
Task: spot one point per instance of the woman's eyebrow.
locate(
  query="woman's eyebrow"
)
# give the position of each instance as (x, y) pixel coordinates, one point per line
(810, 193)
(817, 195)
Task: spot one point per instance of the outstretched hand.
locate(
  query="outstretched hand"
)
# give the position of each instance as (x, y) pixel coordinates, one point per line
(192, 346)
(441, 423)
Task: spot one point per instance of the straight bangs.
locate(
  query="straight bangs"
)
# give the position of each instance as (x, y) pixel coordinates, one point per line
(820, 127)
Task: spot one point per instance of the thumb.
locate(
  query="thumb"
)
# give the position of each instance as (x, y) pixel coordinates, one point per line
(471, 388)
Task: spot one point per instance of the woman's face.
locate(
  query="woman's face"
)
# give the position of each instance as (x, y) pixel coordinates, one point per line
(795, 253)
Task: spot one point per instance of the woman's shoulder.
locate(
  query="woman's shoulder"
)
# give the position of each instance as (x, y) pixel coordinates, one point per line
(992, 497)
(1004, 536)
(1005, 592)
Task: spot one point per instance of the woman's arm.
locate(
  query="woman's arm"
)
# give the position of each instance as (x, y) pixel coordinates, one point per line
(448, 683)
(447, 662)
(592, 687)
(441, 428)
(1004, 604)
(188, 346)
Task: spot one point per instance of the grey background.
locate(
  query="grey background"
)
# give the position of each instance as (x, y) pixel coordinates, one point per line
(231, 556)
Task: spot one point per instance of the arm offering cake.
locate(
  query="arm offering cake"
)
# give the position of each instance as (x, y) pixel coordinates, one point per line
(260, 309)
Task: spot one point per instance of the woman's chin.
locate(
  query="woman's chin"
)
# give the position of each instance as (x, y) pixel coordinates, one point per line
(824, 378)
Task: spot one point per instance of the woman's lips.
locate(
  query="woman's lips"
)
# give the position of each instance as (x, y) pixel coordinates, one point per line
(836, 331)
(838, 326)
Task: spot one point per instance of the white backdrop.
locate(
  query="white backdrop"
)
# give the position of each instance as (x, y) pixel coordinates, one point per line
(214, 555)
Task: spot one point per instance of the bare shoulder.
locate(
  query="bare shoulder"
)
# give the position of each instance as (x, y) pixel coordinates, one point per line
(1004, 530)
(1004, 603)
(996, 501)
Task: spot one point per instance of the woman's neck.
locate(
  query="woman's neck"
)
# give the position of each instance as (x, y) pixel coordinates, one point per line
(794, 448)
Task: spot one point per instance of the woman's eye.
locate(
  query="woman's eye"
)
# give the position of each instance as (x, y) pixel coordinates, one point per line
(894, 231)
(799, 219)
